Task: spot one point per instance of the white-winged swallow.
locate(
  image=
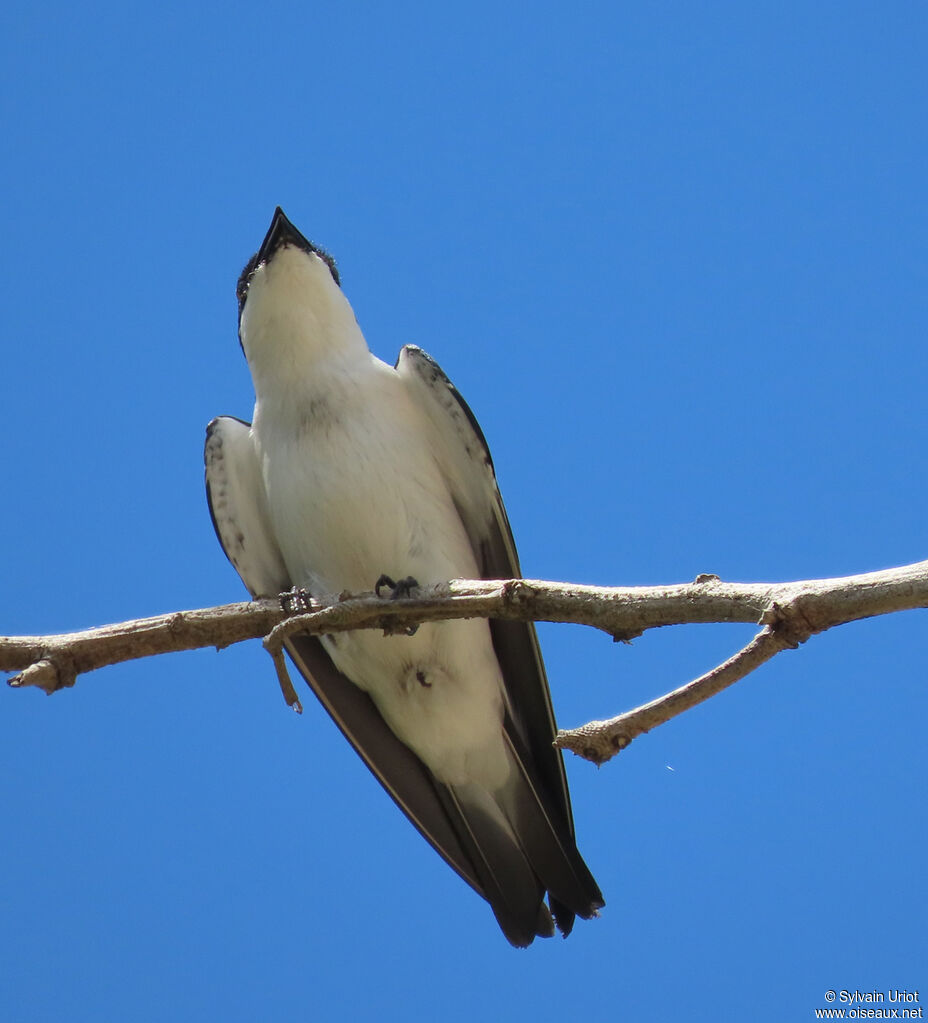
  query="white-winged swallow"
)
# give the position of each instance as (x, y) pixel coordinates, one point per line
(351, 473)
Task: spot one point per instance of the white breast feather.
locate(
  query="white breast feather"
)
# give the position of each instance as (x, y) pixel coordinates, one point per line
(355, 491)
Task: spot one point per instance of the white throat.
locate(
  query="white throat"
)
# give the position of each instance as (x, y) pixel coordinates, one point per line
(296, 325)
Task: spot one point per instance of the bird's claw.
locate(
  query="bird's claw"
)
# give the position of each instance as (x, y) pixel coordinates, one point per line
(398, 590)
(296, 601)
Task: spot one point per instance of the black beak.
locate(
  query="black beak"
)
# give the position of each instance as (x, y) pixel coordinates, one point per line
(280, 233)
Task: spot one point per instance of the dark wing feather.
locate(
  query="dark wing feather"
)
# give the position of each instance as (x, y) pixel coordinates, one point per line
(545, 821)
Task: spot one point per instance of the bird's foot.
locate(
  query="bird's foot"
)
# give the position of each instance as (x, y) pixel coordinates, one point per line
(296, 601)
(398, 590)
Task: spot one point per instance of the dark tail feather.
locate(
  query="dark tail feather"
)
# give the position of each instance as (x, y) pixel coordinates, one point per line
(506, 876)
(468, 826)
(550, 847)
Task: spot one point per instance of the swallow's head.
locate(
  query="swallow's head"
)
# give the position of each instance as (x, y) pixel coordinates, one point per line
(289, 296)
(280, 235)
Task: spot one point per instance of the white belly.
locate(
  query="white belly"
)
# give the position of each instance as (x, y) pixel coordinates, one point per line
(354, 492)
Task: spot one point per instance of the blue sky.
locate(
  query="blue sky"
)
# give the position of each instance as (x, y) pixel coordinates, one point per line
(674, 256)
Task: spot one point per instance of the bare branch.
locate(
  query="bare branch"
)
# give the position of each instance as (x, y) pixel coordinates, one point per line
(789, 612)
(599, 741)
(54, 662)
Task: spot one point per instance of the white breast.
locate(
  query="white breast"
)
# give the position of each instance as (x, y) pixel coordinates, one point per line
(354, 491)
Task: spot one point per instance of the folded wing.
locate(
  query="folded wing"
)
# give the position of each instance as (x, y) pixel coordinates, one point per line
(539, 801)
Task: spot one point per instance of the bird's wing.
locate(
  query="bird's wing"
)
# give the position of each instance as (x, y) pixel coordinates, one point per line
(461, 450)
(235, 492)
(472, 845)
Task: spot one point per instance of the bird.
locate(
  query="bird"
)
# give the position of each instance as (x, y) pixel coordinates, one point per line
(355, 473)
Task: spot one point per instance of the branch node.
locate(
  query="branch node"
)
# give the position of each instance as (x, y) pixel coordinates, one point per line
(273, 641)
(789, 622)
(626, 635)
(47, 675)
(518, 593)
(595, 741)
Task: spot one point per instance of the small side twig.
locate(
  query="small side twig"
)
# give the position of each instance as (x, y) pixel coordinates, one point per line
(283, 678)
(785, 626)
(599, 741)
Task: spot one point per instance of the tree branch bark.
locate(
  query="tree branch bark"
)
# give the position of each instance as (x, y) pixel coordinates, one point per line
(789, 614)
(599, 741)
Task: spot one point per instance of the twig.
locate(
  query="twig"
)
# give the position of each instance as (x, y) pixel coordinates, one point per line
(54, 662)
(599, 741)
(283, 679)
(789, 612)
